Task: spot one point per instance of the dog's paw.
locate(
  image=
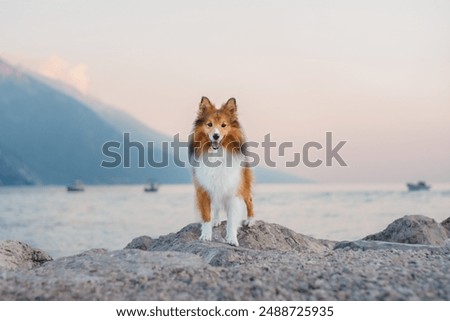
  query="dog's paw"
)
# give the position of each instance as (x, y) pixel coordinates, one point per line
(232, 241)
(248, 222)
(216, 223)
(206, 234)
(205, 237)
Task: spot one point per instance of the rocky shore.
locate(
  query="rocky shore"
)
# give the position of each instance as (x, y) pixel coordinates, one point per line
(409, 260)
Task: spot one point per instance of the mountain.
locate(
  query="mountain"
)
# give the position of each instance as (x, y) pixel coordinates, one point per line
(60, 138)
(50, 134)
(13, 171)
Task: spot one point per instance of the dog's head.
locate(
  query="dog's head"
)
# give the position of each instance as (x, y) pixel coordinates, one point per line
(217, 124)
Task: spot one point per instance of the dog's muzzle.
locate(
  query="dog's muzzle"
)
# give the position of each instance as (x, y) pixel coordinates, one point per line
(215, 141)
(215, 145)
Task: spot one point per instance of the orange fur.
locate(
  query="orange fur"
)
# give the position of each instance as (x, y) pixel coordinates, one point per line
(245, 191)
(203, 202)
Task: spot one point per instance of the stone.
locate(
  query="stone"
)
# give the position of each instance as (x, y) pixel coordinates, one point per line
(412, 229)
(107, 275)
(141, 243)
(15, 255)
(446, 224)
(261, 236)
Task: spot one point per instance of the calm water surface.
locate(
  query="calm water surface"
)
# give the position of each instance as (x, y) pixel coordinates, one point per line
(65, 223)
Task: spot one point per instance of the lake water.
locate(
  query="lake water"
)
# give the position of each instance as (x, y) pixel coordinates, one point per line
(65, 223)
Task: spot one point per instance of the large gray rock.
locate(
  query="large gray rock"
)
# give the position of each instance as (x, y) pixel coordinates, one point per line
(15, 255)
(118, 275)
(273, 263)
(412, 229)
(260, 239)
(272, 275)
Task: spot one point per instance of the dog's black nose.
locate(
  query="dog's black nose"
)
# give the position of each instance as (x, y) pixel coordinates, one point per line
(216, 136)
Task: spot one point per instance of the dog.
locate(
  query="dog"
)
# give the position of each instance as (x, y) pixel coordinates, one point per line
(222, 178)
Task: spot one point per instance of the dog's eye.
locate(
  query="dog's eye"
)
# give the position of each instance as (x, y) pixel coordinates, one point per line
(224, 125)
(209, 124)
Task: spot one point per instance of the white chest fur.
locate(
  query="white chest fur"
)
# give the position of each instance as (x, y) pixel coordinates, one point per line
(219, 175)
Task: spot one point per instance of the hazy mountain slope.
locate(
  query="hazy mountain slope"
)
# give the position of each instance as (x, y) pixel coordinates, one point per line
(59, 137)
(124, 122)
(13, 171)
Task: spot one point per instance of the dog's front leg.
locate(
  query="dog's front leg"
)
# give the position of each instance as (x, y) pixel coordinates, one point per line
(235, 209)
(204, 206)
(206, 231)
(215, 209)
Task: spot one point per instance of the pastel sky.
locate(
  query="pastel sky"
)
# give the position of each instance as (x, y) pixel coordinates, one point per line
(375, 73)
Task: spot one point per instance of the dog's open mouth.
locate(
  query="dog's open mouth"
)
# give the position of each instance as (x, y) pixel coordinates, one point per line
(215, 145)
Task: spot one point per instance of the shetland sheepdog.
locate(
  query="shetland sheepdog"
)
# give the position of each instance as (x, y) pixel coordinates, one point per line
(222, 178)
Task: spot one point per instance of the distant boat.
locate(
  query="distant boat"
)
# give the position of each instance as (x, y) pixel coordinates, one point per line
(420, 186)
(76, 186)
(151, 187)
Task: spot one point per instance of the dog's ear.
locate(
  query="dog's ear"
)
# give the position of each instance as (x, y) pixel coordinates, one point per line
(204, 105)
(230, 106)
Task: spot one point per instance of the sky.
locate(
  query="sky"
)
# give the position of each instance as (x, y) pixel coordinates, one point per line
(374, 73)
